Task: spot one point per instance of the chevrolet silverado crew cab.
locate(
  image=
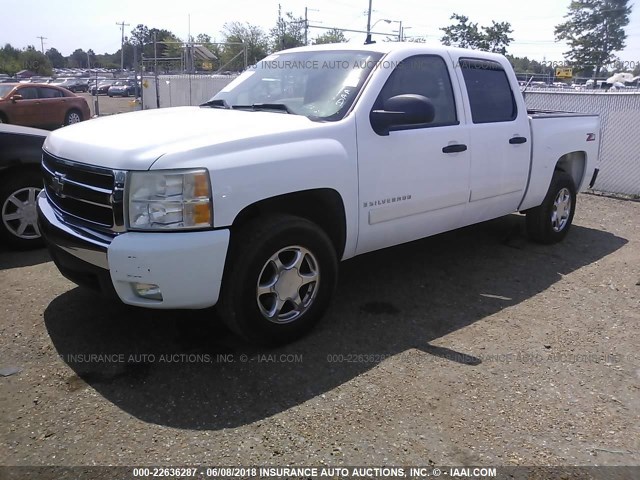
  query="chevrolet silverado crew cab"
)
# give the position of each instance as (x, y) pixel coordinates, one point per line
(312, 156)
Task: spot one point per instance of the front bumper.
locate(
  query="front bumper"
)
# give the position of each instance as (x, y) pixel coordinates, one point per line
(186, 266)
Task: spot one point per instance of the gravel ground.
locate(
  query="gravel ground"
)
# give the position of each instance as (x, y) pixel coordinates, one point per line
(471, 348)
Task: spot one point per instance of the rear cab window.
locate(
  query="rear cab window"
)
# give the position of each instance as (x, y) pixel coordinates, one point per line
(490, 96)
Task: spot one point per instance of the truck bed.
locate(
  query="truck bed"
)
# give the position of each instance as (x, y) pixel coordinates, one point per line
(557, 135)
(534, 113)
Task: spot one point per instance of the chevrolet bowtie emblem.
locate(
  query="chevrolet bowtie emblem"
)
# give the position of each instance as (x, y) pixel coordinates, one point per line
(57, 183)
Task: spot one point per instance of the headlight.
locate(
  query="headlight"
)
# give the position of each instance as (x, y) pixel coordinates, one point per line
(169, 200)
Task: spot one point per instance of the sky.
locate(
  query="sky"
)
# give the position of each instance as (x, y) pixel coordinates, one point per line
(91, 24)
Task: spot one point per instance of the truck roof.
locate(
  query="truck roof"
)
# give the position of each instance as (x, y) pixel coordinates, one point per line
(388, 47)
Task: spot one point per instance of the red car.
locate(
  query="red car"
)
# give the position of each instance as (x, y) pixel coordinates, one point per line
(40, 105)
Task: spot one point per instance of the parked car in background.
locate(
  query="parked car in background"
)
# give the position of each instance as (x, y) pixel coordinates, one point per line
(123, 88)
(40, 105)
(74, 85)
(20, 183)
(102, 88)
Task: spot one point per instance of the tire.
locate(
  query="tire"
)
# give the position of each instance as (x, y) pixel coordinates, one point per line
(18, 216)
(73, 116)
(550, 222)
(251, 301)
(3, 119)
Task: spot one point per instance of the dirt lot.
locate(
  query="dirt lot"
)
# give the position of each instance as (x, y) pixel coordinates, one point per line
(471, 348)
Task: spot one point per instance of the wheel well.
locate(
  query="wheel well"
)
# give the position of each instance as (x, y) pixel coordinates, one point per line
(323, 206)
(573, 163)
(4, 117)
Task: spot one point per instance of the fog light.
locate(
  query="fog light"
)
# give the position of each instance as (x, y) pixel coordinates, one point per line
(147, 290)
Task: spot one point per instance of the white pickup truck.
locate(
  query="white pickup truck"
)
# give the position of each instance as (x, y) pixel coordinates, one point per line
(312, 156)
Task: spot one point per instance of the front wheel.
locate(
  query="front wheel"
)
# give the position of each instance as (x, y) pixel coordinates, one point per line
(280, 276)
(19, 223)
(550, 222)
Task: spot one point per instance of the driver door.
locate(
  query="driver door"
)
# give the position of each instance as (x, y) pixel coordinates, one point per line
(26, 110)
(414, 182)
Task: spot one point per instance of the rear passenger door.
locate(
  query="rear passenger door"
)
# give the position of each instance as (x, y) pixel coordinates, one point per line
(500, 139)
(52, 104)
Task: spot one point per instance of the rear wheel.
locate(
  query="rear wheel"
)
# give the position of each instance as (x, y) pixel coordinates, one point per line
(550, 222)
(3, 119)
(280, 276)
(73, 116)
(18, 194)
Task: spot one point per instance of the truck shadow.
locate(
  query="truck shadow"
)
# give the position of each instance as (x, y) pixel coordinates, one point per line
(19, 258)
(183, 370)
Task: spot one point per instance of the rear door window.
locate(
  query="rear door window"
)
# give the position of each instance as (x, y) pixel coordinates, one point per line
(490, 95)
(49, 93)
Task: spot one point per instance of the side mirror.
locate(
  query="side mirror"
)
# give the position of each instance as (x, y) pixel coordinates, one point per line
(402, 110)
(16, 97)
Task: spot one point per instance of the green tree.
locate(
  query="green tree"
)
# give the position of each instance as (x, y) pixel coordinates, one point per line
(594, 30)
(78, 59)
(466, 34)
(35, 61)
(331, 36)
(462, 34)
(140, 35)
(256, 41)
(288, 33)
(10, 60)
(496, 37)
(56, 58)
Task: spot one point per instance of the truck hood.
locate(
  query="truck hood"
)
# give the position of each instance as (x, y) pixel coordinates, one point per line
(134, 141)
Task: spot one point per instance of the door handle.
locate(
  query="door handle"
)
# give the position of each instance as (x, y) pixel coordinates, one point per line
(517, 140)
(454, 148)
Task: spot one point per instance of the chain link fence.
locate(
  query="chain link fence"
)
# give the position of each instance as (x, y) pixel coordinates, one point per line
(180, 90)
(620, 120)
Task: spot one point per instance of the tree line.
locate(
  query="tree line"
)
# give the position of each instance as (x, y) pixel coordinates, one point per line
(593, 29)
(149, 43)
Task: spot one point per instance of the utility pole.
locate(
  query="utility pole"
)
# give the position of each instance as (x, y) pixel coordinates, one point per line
(306, 23)
(122, 25)
(42, 39)
(281, 27)
(368, 40)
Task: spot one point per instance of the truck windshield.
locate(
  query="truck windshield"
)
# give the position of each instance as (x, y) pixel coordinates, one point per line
(321, 85)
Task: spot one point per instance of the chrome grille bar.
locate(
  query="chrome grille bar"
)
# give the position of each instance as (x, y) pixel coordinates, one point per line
(90, 196)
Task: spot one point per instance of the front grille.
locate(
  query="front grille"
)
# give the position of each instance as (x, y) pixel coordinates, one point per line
(89, 195)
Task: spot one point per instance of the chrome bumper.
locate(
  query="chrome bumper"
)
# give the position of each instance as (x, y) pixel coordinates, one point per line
(76, 241)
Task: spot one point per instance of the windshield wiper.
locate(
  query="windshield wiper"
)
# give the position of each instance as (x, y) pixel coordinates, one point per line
(279, 107)
(217, 104)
